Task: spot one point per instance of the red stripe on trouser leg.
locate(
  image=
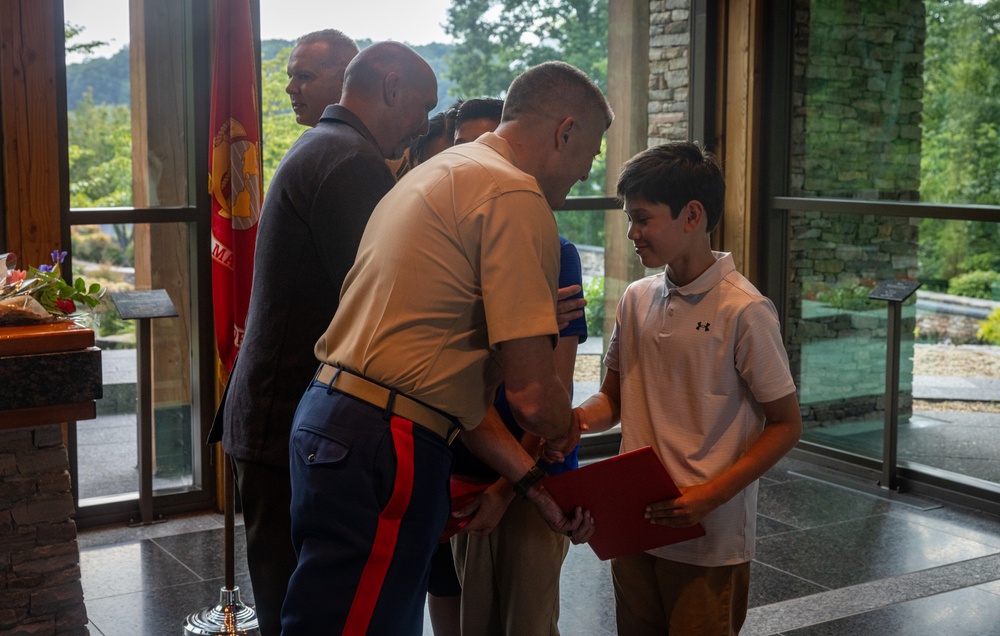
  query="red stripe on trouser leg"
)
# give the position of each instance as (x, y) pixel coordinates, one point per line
(370, 584)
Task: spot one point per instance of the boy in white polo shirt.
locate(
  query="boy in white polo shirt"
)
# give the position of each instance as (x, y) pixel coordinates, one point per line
(697, 370)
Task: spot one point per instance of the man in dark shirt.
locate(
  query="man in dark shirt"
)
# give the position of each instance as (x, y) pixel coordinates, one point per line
(311, 222)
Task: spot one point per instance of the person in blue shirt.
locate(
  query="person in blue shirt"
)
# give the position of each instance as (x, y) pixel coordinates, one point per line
(507, 559)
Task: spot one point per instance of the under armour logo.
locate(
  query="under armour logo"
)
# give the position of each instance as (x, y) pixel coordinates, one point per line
(701, 326)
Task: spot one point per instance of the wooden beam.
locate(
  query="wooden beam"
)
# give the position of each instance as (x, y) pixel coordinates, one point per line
(160, 177)
(742, 60)
(30, 129)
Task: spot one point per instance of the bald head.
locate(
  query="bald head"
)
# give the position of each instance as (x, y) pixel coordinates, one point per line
(391, 89)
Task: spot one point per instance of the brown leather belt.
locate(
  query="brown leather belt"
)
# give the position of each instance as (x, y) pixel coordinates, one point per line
(378, 396)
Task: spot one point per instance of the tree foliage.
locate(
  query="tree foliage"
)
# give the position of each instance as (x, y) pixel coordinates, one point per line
(961, 136)
(100, 154)
(73, 31)
(106, 77)
(961, 106)
(495, 40)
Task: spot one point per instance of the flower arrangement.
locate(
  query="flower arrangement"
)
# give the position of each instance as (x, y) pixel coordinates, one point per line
(40, 295)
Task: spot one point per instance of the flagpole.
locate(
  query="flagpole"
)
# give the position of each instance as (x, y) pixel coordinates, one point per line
(234, 174)
(230, 524)
(230, 616)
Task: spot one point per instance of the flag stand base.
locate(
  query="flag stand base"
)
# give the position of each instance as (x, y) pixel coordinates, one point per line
(230, 616)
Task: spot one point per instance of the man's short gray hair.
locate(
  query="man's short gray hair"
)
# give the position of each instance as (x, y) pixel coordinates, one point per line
(337, 41)
(551, 87)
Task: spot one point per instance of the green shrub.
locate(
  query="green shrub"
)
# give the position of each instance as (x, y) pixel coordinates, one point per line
(975, 284)
(594, 293)
(989, 329)
(89, 243)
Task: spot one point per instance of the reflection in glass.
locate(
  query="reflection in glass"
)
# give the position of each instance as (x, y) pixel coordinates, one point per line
(897, 104)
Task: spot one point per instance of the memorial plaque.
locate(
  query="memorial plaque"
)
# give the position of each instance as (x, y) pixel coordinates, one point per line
(146, 303)
(894, 290)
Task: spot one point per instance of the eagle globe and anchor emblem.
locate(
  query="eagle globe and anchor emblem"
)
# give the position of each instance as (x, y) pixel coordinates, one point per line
(241, 189)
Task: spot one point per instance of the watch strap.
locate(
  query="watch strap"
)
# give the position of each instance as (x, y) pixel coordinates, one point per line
(525, 484)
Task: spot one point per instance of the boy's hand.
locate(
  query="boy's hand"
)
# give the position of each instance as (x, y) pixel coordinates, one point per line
(569, 309)
(692, 506)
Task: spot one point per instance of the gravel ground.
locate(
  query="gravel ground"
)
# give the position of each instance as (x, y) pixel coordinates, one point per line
(588, 368)
(962, 361)
(966, 361)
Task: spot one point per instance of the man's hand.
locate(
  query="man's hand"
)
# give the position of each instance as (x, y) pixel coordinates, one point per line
(488, 508)
(569, 309)
(579, 528)
(555, 449)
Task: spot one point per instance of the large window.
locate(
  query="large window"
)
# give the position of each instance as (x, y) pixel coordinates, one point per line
(891, 158)
(135, 104)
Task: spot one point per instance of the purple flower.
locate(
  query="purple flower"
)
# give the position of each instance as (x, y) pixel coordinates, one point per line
(57, 257)
(45, 268)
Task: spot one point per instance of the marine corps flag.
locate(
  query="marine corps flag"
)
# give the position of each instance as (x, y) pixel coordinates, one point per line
(235, 175)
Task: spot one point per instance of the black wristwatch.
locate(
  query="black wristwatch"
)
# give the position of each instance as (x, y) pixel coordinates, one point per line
(532, 477)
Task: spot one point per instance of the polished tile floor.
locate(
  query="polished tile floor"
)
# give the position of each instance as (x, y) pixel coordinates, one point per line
(831, 560)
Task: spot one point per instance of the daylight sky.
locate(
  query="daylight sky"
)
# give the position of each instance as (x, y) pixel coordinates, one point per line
(411, 21)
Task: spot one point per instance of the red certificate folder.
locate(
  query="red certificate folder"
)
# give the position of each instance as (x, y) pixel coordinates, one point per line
(616, 491)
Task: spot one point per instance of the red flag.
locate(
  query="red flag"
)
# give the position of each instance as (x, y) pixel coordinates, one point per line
(235, 175)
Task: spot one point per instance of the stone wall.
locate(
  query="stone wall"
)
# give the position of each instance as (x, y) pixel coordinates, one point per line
(669, 43)
(856, 104)
(40, 588)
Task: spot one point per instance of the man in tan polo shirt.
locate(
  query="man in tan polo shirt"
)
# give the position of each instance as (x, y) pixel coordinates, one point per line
(452, 291)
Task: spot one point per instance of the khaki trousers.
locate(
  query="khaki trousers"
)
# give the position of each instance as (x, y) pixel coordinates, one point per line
(510, 578)
(656, 597)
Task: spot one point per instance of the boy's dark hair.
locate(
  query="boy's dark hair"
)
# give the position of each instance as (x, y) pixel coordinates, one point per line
(674, 174)
(479, 108)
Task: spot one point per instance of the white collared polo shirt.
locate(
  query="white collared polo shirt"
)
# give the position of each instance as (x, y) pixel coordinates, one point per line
(696, 362)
